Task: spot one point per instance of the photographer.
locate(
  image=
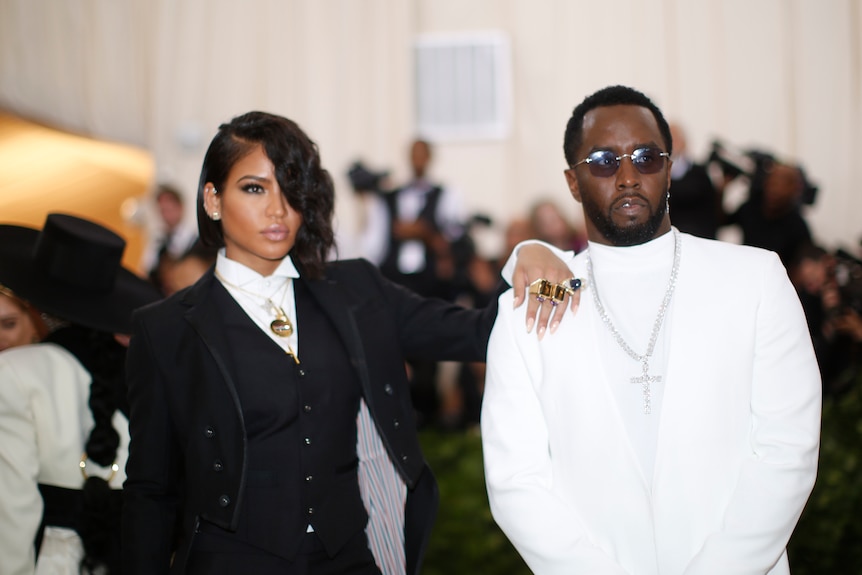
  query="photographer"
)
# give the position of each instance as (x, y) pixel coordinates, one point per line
(772, 218)
(830, 289)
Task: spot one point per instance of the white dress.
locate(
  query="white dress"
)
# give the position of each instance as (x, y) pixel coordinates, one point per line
(45, 421)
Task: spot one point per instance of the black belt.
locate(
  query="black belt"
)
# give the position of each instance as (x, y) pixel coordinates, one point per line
(62, 508)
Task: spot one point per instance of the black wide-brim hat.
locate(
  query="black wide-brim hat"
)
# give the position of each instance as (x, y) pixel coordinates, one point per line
(72, 269)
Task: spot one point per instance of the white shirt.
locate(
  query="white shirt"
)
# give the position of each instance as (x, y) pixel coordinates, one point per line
(626, 277)
(411, 200)
(253, 292)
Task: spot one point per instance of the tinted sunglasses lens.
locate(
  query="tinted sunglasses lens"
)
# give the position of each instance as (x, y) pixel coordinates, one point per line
(648, 160)
(603, 164)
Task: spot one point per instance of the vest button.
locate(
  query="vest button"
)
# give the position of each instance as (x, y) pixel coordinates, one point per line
(217, 465)
(306, 408)
(301, 373)
(388, 389)
(223, 501)
(396, 424)
(309, 478)
(209, 432)
(311, 510)
(404, 458)
(308, 441)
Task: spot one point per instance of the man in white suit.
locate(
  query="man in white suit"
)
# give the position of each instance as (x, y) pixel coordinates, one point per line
(672, 427)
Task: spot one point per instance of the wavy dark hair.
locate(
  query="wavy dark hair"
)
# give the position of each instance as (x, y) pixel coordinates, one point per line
(305, 184)
(610, 96)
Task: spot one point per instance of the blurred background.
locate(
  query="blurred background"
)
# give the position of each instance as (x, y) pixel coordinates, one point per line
(103, 103)
(490, 82)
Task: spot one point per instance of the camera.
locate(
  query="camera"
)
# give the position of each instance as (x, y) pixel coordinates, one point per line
(755, 165)
(363, 179)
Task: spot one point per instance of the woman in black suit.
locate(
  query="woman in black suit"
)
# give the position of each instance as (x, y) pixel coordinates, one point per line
(271, 423)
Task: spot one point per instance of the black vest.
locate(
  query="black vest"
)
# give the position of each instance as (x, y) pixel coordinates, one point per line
(425, 281)
(301, 432)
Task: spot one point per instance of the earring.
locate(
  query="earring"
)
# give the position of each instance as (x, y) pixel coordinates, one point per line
(667, 202)
(215, 216)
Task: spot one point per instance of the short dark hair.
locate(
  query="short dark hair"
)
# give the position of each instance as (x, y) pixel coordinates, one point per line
(305, 184)
(610, 96)
(165, 189)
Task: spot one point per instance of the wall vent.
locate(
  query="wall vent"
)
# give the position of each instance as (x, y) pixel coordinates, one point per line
(463, 86)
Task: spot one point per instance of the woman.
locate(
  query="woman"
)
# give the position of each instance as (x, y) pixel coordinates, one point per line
(20, 323)
(59, 513)
(271, 420)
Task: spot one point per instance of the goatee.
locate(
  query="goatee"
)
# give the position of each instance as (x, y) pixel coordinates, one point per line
(629, 235)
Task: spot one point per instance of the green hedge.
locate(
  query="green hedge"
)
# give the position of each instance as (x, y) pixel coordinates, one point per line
(828, 538)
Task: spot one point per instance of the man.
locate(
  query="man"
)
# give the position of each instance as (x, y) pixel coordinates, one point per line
(409, 236)
(672, 427)
(772, 216)
(411, 228)
(173, 241)
(695, 201)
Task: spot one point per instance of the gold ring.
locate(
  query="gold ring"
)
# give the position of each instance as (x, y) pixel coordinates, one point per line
(558, 294)
(542, 289)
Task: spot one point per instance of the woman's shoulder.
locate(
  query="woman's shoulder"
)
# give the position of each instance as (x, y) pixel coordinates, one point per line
(340, 269)
(41, 362)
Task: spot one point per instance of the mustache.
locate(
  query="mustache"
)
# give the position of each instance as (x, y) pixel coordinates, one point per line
(628, 197)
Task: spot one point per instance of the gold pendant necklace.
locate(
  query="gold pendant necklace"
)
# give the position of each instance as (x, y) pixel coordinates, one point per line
(281, 325)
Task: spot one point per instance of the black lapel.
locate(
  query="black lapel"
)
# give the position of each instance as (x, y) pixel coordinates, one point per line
(202, 314)
(333, 299)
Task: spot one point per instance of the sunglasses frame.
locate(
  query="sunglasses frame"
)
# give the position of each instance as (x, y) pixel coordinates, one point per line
(637, 151)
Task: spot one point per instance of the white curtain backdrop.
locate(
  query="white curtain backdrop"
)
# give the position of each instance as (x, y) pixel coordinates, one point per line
(778, 75)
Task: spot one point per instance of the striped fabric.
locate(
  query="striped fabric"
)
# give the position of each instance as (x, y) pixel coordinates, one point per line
(384, 495)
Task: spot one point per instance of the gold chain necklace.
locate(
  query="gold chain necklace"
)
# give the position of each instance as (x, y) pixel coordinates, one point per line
(281, 325)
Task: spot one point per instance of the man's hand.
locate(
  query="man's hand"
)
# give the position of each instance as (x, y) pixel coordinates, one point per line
(536, 262)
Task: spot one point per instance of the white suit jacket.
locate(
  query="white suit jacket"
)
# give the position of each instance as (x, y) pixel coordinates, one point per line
(737, 443)
(45, 421)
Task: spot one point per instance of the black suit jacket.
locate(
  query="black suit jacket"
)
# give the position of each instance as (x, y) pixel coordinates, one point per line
(181, 390)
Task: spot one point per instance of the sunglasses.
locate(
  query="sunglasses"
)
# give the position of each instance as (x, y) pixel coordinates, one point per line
(604, 163)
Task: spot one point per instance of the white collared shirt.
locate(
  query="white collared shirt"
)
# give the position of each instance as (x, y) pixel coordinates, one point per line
(241, 282)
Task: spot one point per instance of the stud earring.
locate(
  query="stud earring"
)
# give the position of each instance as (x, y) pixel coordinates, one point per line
(215, 216)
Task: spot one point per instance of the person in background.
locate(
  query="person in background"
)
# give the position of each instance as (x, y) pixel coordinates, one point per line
(695, 201)
(552, 227)
(20, 323)
(188, 269)
(60, 390)
(271, 422)
(673, 425)
(174, 238)
(833, 320)
(771, 218)
(409, 235)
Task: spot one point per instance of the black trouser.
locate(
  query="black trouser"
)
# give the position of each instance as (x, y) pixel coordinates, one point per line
(214, 554)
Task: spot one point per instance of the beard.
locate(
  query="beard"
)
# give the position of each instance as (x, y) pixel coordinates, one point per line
(624, 236)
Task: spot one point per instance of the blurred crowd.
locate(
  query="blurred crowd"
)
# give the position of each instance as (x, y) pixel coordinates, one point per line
(420, 236)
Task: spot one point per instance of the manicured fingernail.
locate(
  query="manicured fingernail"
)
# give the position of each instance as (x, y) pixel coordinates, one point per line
(516, 301)
(530, 323)
(541, 332)
(554, 326)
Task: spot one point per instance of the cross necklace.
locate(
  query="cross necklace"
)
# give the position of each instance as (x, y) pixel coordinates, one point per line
(645, 379)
